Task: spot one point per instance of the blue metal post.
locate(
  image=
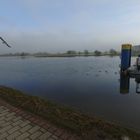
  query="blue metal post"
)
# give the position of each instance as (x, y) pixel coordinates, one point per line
(126, 56)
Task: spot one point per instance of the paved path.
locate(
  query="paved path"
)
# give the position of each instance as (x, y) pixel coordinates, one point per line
(15, 124)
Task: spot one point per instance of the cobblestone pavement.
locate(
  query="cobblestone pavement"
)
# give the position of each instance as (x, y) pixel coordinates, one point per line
(15, 124)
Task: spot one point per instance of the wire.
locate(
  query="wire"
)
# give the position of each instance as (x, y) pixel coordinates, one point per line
(4, 42)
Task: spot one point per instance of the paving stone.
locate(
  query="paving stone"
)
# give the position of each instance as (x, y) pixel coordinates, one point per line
(1, 107)
(13, 135)
(2, 118)
(65, 136)
(34, 129)
(59, 132)
(2, 122)
(50, 139)
(17, 118)
(3, 135)
(10, 118)
(46, 126)
(17, 110)
(45, 136)
(3, 114)
(17, 123)
(4, 111)
(35, 135)
(17, 127)
(23, 136)
(5, 129)
(24, 123)
(27, 116)
(43, 130)
(27, 127)
(6, 124)
(55, 137)
(10, 114)
(13, 129)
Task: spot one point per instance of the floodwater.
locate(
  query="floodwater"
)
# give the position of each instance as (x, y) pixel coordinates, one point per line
(89, 84)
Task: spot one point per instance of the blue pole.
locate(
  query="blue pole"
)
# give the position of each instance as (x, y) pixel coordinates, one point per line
(125, 56)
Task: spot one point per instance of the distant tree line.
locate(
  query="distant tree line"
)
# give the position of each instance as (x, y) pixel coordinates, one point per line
(111, 52)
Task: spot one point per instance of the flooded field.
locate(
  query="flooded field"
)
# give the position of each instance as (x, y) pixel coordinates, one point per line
(90, 84)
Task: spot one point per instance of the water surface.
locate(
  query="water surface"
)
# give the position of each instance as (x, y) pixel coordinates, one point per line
(90, 84)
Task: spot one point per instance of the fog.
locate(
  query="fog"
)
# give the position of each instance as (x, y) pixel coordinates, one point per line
(58, 26)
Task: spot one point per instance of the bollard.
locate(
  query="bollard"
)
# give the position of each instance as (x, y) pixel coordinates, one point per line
(125, 56)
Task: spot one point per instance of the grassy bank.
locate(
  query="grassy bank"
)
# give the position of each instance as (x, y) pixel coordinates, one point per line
(81, 124)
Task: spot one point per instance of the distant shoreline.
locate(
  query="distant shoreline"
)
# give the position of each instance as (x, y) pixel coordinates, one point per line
(63, 55)
(68, 56)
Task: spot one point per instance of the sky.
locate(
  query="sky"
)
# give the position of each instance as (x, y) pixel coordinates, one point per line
(61, 25)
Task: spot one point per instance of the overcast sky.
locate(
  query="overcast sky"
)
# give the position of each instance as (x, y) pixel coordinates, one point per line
(60, 25)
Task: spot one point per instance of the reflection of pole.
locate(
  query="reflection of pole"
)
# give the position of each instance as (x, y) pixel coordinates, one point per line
(124, 84)
(137, 85)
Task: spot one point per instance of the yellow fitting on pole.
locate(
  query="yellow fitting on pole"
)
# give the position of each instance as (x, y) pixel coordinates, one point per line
(126, 46)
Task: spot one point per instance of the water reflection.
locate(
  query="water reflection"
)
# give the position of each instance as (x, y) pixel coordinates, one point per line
(125, 83)
(137, 79)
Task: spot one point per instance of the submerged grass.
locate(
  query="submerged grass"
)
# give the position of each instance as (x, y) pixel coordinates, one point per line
(85, 126)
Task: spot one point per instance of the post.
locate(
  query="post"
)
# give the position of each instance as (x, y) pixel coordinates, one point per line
(125, 56)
